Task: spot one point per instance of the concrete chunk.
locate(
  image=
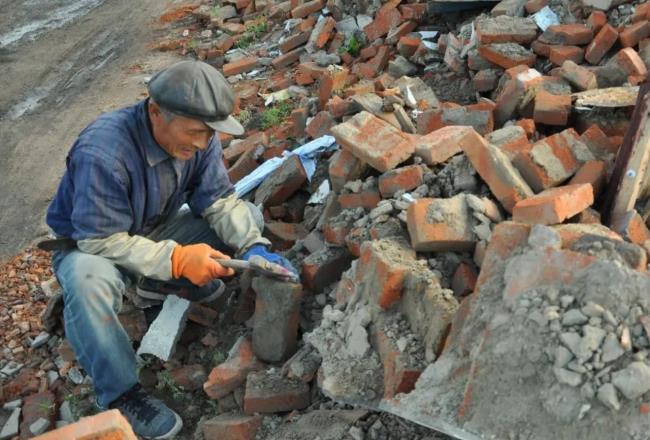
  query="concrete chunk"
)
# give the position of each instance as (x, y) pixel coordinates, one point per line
(160, 339)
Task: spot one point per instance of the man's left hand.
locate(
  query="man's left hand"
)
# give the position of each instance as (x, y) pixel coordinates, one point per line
(262, 251)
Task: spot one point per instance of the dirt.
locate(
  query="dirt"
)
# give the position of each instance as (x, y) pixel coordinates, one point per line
(81, 58)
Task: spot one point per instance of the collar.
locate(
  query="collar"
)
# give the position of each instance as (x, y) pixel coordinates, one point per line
(153, 152)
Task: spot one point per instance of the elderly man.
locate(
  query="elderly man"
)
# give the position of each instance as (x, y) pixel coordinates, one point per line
(127, 175)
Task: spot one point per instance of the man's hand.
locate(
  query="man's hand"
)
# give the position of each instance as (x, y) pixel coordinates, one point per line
(196, 263)
(262, 251)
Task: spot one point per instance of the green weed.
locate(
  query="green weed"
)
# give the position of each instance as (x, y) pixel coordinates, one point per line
(353, 47)
(272, 117)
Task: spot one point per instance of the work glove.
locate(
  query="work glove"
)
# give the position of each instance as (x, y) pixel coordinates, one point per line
(196, 263)
(262, 251)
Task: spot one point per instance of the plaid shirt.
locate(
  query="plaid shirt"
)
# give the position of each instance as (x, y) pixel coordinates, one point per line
(119, 180)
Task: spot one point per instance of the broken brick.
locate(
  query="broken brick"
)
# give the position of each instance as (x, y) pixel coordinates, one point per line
(486, 80)
(343, 167)
(628, 60)
(241, 65)
(107, 425)
(403, 29)
(554, 205)
(440, 145)
(400, 179)
(413, 11)
(597, 20)
(400, 374)
(386, 18)
(320, 125)
(477, 116)
(299, 118)
(294, 41)
(231, 374)
(189, 377)
(287, 59)
(308, 8)
(512, 140)
(504, 29)
(552, 109)
(464, 280)
(598, 142)
(270, 392)
(634, 33)
(324, 267)
(321, 34)
(336, 232)
(507, 55)
(239, 147)
(284, 235)
(407, 45)
(570, 34)
(593, 172)
(559, 54)
(528, 125)
(604, 41)
(366, 199)
(231, 427)
(580, 78)
(281, 183)
(632, 227)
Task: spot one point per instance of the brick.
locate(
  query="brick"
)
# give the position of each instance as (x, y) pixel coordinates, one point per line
(382, 269)
(277, 315)
(339, 107)
(368, 52)
(400, 31)
(407, 45)
(245, 165)
(333, 80)
(464, 280)
(476, 116)
(320, 125)
(231, 427)
(336, 232)
(634, 33)
(593, 172)
(495, 169)
(559, 54)
(242, 65)
(37, 406)
(504, 29)
(366, 199)
(374, 141)
(107, 425)
(231, 374)
(507, 55)
(321, 34)
(596, 21)
(511, 94)
(294, 41)
(284, 235)
(236, 149)
(325, 267)
(580, 78)
(552, 109)
(449, 230)
(270, 392)
(385, 20)
(632, 228)
(486, 80)
(400, 372)
(299, 118)
(554, 205)
(551, 161)
(413, 11)
(453, 54)
(400, 179)
(287, 59)
(628, 60)
(189, 377)
(440, 145)
(380, 60)
(512, 8)
(641, 12)
(306, 9)
(533, 6)
(604, 41)
(528, 125)
(343, 167)
(511, 140)
(598, 142)
(281, 183)
(541, 49)
(569, 34)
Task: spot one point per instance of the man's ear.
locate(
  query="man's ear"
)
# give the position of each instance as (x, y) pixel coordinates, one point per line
(154, 109)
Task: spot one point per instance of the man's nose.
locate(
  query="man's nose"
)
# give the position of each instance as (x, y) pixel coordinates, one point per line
(201, 142)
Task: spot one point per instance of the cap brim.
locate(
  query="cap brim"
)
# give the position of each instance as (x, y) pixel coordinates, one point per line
(229, 125)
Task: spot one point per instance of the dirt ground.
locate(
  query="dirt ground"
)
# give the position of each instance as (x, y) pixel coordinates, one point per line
(63, 62)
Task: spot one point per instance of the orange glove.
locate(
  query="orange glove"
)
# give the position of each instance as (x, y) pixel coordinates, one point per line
(195, 263)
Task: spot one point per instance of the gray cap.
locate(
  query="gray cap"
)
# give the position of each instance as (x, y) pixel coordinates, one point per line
(196, 90)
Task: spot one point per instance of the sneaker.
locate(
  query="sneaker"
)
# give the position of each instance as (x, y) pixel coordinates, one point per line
(159, 290)
(148, 416)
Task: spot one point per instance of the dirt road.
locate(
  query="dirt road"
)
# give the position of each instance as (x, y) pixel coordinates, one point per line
(62, 63)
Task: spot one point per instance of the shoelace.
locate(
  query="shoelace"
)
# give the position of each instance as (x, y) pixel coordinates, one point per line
(137, 402)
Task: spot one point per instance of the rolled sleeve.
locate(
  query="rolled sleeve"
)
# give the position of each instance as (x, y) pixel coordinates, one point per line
(211, 181)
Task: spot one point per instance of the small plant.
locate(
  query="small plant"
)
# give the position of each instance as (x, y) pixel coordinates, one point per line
(216, 10)
(353, 47)
(165, 381)
(218, 358)
(244, 117)
(274, 116)
(252, 33)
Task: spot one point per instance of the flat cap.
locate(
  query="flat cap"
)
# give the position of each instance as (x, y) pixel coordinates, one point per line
(196, 90)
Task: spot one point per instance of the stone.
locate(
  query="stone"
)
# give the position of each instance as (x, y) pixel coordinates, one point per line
(633, 381)
(574, 317)
(231, 427)
(612, 350)
(39, 426)
(165, 330)
(10, 428)
(568, 377)
(607, 396)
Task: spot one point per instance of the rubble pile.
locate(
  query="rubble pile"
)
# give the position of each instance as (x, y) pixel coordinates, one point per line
(447, 228)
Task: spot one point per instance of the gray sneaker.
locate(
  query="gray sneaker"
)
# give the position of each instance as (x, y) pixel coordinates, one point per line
(148, 416)
(159, 290)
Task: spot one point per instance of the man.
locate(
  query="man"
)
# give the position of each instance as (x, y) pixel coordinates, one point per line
(127, 175)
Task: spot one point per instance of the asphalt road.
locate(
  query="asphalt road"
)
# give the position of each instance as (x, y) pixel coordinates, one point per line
(62, 63)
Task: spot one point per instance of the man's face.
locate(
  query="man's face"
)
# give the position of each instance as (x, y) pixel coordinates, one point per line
(181, 137)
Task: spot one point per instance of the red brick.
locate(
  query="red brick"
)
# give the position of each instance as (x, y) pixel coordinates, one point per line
(387, 18)
(403, 29)
(641, 12)
(570, 34)
(299, 118)
(454, 234)
(628, 60)
(308, 8)
(596, 21)
(495, 169)
(367, 199)
(476, 116)
(533, 6)
(380, 60)
(281, 183)
(189, 377)
(343, 167)
(335, 233)
(506, 29)
(242, 65)
(107, 425)
(528, 125)
(235, 150)
(510, 95)
(579, 77)
(604, 41)
(507, 55)
(413, 11)
(593, 172)
(400, 179)
(231, 374)
(407, 45)
(25, 383)
(511, 140)
(37, 406)
(632, 228)
(541, 49)
(559, 54)
(294, 41)
(232, 27)
(320, 125)
(333, 80)
(339, 107)
(486, 80)
(324, 267)
(634, 33)
(287, 59)
(231, 427)
(322, 32)
(269, 393)
(374, 141)
(464, 280)
(554, 205)
(598, 142)
(381, 273)
(284, 235)
(368, 52)
(308, 73)
(245, 165)
(440, 145)
(552, 109)
(400, 374)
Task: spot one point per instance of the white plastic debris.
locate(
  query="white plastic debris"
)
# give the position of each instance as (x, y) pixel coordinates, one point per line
(545, 17)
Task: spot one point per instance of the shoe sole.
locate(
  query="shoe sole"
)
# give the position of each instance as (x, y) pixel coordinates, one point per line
(148, 294)
(172, 432)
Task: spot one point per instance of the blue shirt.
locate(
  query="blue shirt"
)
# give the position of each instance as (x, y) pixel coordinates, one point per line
(118, 179)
